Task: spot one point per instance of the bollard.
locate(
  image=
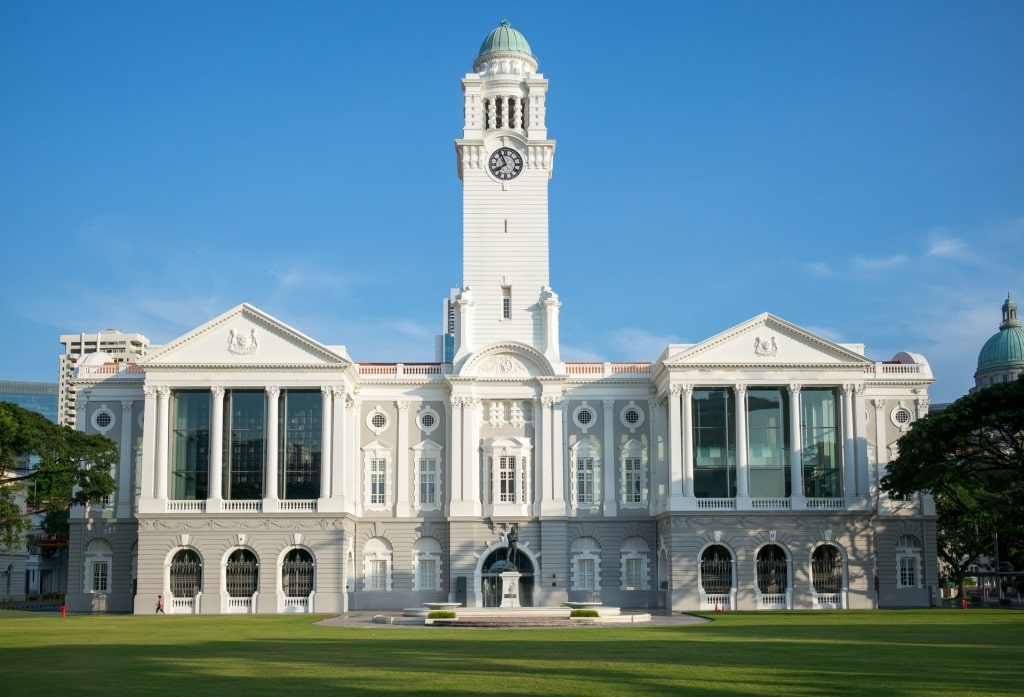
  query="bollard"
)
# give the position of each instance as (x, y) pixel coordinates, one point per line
(63, 610)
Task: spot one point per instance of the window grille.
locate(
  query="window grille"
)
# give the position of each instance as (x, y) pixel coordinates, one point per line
(186, 574)
(297, 574)
(242, 574)
(716, 570)
(772, 570)
(827, 570)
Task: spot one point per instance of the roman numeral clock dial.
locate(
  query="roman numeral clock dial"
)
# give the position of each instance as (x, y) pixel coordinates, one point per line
(505, 163)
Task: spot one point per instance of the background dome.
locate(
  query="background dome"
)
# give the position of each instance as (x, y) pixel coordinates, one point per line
(504, 38)
(1007, 346)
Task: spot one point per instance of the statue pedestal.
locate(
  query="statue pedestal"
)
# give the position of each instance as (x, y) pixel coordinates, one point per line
(510, 589)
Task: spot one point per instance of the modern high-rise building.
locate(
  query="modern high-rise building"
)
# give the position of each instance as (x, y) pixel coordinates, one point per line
(39, 397)
(119, 348)
(265, 471)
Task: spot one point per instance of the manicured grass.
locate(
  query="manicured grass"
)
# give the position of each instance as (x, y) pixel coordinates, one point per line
(882, 654)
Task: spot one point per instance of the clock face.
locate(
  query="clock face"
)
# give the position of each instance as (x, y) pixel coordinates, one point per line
(505, 163)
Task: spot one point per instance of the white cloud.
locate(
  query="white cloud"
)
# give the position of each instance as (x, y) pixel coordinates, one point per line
(880, 263)
(819, 268)
(638, 344)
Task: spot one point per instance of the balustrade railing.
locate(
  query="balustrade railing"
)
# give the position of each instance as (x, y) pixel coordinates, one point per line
(826, 504)
(716, 504)
(251, 505)
(300, 505)
(772, 601)
(182, 506)
(777, 504)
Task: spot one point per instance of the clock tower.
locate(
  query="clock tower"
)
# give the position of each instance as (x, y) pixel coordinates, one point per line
(505, 161)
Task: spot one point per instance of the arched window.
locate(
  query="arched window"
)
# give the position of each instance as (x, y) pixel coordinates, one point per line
(98, 556)
(908, 562)
(186, 574)
(827, 570)
(427, 564)
(242, 574)
(635, 564)
(377, 565)
(716, 570)
(772, 569)
(586, 565)
(297, 574)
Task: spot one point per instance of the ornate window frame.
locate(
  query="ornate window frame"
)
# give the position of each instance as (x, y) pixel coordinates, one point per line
(428, 450)
(373, 453)
(428, 420)
(426, 549)
(632, 426)
(585, 448)
(908, 554)
(635, 549)
(633, 450)
(377, 425)
(377, 549)
(585, 549)
(521, 449)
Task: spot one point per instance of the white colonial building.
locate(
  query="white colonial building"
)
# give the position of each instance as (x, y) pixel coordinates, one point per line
(264, 471)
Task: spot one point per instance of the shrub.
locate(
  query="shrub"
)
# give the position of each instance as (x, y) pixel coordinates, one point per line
(441, 615)
(584, 613)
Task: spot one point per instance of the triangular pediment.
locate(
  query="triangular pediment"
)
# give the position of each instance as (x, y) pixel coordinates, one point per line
(767, 340)
(245, 337)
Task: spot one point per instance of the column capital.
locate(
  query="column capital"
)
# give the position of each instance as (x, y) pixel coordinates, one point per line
(879, 404)
(163, 391)
(402, 404)
(795, 387)
(608, 404)
(126, 404)
(272, 391)
(740, 388)
(217, 390)
(149, 391)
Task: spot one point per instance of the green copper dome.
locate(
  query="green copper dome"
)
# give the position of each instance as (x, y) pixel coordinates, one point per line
(504, 38)
(1006, 347)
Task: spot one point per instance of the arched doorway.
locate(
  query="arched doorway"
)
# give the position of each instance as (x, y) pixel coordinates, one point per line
(490, 577)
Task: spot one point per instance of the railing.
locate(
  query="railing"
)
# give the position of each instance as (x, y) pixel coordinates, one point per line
(398, 369)
(716, 504)
(108, 369)
(772, 504)
(240, 605)
(829, 600)
(251, 505)
(183, 606)
(826, 504)
(303, 505)
(717, 601)
(608, 369)
(51, 539)
(772, 601)
(296, 604)
(879, 369)
(182, 506)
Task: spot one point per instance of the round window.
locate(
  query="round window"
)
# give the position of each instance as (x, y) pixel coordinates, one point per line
(428, 420)
(632, 417)
(902, 416)
(104, 419)
(585, 416)
(379, 420)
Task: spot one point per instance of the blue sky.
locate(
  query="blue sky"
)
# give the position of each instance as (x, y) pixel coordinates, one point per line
(856, 168)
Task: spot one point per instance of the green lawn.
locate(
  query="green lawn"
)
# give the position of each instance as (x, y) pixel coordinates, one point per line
(881, 654)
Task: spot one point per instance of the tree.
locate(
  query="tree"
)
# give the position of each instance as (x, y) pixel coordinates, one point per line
(970, 457)
(46, 469)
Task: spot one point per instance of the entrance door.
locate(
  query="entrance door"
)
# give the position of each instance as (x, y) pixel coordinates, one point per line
(490, 577)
